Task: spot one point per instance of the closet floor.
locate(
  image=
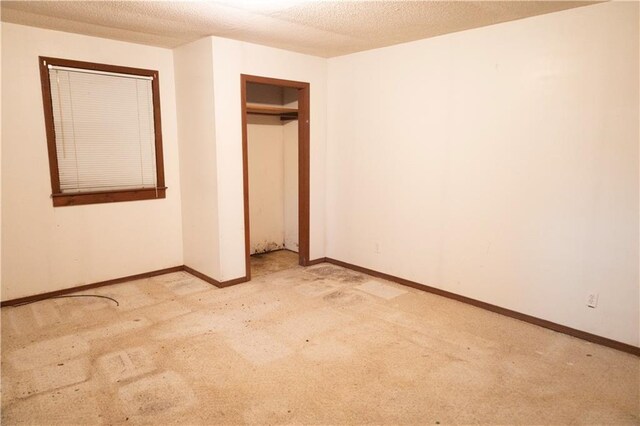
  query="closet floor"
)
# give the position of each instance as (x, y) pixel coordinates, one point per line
(273, 261)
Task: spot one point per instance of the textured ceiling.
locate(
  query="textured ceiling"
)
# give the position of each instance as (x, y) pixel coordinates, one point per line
(322, 28)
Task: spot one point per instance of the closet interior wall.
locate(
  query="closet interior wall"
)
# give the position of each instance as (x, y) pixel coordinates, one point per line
(273, 171)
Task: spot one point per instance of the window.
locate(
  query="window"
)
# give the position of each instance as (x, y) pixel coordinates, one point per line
(103, 132)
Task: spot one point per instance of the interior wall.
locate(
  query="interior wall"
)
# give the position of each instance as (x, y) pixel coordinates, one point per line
(499, 163)
(265, 143)
(264, 94)
(273, 167)
(196, 134)
(273, 183)
(291, 214)
(55, 248)
(231, 59)
(290, 155)
(0, 163)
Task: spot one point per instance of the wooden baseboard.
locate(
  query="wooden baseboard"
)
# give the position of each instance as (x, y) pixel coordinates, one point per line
(42, 296)
(604, 341)
(202, 276)
(212, 281)
(316, 261)
(64, 291)
(236, 281)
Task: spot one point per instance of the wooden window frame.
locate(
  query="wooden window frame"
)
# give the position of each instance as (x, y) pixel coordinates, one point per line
(94, 197)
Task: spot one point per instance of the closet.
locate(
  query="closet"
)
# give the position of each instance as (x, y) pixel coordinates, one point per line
(272, 150)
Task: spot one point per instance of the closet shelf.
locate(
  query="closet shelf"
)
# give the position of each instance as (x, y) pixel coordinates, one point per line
(272, 110)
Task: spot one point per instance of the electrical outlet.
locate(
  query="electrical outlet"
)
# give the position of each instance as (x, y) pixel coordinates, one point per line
(592, 300)
(376, 248)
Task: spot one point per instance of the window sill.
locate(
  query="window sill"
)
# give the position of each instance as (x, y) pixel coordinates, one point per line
(97, 197)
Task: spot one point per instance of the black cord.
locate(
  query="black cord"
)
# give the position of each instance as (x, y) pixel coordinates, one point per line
(72, 295)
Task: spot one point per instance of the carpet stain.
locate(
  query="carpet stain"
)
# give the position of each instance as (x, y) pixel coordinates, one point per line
(157, 395)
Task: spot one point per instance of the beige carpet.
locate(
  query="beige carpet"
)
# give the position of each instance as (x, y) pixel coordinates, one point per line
(321, 345)
(274, 261)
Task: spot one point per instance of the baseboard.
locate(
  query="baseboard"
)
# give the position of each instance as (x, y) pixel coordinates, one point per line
(42, 296)
(213, 281)
(236, 281)
(64, 291)
(604, 341)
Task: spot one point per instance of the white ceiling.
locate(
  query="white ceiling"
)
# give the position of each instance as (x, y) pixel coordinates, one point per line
(322, 28)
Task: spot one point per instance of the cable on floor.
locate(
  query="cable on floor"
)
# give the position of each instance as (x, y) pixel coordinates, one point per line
(71, 295)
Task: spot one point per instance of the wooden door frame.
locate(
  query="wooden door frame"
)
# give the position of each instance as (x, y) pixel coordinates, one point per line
(303, 163)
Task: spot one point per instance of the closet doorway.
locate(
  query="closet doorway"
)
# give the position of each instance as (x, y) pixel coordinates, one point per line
(275, 157)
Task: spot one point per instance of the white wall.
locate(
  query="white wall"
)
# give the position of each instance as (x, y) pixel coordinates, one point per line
(230, 59)
(265, 143)
(198, 165)
(291, 219)
(499, 163)
(47, 248)
(273, 171)
(0, 163)
(273, 183)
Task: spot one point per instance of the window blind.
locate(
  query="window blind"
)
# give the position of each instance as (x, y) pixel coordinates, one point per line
(104, 130)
